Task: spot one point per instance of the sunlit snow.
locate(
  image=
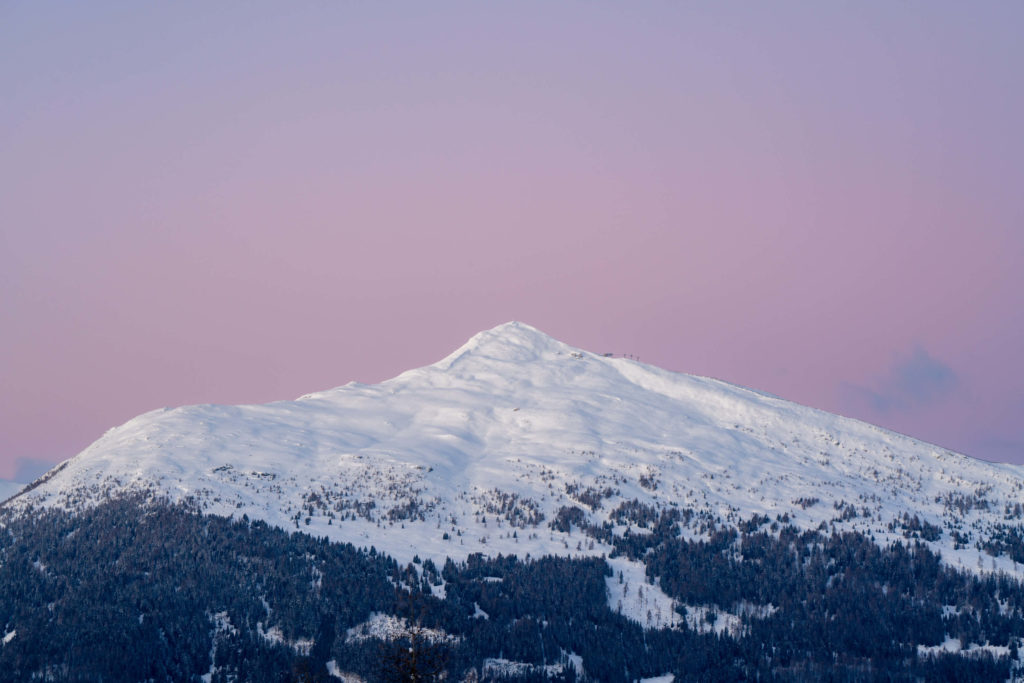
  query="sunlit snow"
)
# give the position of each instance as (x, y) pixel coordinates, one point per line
(479, 452)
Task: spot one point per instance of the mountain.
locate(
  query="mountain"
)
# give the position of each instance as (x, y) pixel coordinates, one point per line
(513, 427)
(519, 510)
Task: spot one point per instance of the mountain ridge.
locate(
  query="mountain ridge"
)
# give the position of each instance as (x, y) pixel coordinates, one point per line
(483, 450)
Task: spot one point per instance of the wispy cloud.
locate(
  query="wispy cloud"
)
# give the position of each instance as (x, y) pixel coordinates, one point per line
(29, 469)
(915, 380)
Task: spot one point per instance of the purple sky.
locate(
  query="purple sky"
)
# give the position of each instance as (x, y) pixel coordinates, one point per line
(251, 201)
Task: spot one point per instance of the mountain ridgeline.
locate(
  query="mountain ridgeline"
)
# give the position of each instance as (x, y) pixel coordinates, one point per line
(520, 510)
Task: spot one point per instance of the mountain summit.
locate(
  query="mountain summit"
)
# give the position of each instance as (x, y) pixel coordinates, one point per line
(485, 449)
(519, 510)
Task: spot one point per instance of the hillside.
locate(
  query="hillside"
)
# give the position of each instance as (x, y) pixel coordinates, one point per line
(514, 426)
(520, 510)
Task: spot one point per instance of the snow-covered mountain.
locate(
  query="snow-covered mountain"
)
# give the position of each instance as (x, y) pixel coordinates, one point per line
(484, 449)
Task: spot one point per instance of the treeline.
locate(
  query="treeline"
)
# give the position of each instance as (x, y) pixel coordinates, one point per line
(126, 592)
(135, 591)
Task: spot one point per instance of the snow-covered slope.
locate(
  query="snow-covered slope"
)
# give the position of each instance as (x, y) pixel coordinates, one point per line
(480, 451)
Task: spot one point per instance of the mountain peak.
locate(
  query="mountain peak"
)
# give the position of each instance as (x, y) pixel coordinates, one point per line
(516, 427)
(512, 341)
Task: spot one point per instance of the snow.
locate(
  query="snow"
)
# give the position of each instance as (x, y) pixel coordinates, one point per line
(709, 619)
(497, 667)
(638, 599)
(486, 445)
(387, 627)
(221, 624)
(953, 645)
(274, 634)
(383, 626)
(8, 637)
(346, 677)
(575, 661)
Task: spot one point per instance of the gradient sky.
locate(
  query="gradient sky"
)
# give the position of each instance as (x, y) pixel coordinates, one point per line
(241, 202)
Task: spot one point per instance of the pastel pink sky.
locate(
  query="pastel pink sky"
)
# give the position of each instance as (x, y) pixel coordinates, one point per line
(252, 201)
